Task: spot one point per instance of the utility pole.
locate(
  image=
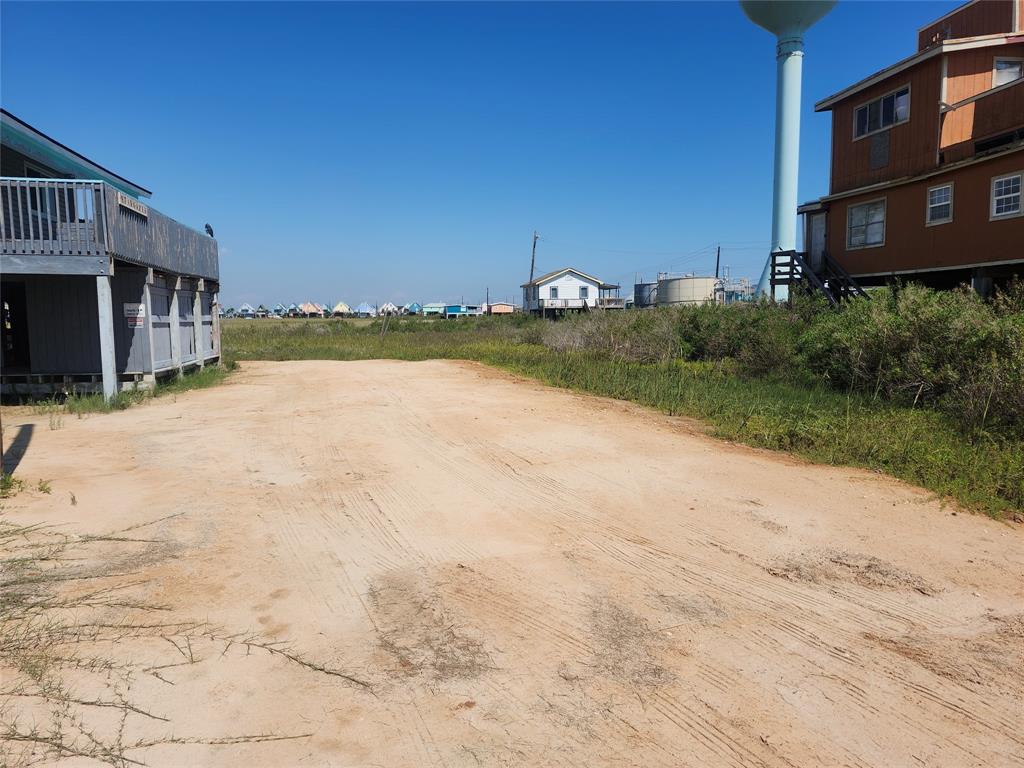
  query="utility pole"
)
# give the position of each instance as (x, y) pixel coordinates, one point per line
(487, 301)
(718, 258)
(533, 255)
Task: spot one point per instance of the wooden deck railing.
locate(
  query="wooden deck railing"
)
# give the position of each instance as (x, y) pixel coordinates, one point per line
(52, 216)
(76, 217)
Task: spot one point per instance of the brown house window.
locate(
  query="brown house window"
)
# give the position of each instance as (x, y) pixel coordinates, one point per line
(865, 225)
(1006, 191)
(1007, 71)
(940, 204)
(891, 109)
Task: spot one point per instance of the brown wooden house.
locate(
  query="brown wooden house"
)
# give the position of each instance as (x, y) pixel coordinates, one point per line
(928, 159)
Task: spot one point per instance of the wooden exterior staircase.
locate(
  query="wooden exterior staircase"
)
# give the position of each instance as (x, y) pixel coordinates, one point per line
(789, 268)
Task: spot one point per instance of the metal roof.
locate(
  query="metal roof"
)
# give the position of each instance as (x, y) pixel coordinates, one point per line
(30, 140)
(557, 272)
(946, 46)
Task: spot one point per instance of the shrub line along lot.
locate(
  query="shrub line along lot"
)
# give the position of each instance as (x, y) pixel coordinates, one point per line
(436, 563)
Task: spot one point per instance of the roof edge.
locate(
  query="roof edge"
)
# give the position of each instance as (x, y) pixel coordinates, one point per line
(946, 46)
(557, 272)
(139, 190)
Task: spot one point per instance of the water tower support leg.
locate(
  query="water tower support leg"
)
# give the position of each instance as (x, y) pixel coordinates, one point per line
(787, 149)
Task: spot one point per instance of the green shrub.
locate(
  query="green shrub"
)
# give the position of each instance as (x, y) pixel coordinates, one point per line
(942, 350)
(947, 350)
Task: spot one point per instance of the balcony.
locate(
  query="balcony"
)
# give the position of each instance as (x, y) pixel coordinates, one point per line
(601, 302)
(561, 303)
(74, 226)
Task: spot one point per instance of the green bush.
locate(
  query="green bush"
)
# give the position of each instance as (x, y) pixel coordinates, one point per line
(947, 350)
(942, 350)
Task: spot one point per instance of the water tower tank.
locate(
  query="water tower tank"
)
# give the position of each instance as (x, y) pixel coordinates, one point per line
(787, 20)
(786, 17)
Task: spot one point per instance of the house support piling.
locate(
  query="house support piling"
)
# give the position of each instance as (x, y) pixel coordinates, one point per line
(105, 313)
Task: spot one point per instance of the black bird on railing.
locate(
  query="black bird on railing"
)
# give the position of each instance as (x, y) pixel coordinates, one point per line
(209, 230)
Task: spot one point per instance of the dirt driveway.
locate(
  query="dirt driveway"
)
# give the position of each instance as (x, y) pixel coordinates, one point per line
(479, 571)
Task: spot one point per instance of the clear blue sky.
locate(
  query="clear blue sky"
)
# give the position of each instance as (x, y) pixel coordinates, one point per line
(403, 152)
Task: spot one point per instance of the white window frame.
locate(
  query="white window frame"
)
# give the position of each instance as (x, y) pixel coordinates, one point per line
(928, 220)
(992, 216)
(585, 292)
(552, 291)
(997, 59)
(879, 100)
(885, 217)
(44, 173)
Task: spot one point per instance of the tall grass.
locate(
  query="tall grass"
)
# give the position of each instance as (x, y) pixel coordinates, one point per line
(78, 404)
(652, 359)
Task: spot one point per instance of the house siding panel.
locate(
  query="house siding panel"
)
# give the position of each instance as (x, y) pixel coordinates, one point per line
(910, 245)
(160, 317)
(969, 72)
(987, 117)
(131, 343)
(186, 325)
(159, 241)
(912, 145)
(63, 326)
(986, 17)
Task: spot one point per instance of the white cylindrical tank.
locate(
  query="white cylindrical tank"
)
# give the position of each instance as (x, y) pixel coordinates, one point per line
(685, 290)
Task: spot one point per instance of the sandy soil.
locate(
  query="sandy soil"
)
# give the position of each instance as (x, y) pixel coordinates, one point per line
(515, 575)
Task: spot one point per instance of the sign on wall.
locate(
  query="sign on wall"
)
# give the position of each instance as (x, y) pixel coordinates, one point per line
(135, 315)
(126, 201)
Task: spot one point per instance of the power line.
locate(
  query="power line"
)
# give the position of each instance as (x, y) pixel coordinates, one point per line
(625, 251)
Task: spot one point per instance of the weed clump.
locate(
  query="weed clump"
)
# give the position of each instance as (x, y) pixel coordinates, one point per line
(65, 602)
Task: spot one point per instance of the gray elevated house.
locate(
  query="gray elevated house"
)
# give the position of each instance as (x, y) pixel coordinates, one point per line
(100, 291)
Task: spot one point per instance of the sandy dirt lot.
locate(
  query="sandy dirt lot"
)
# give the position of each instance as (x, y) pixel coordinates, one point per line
(516, 575)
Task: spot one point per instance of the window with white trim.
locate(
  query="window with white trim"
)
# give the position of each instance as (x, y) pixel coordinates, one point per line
(940, 204)
(1006, 196)
(553, 292)
(584, 291)
(1006, 71)
(865, 224)
(891, 109)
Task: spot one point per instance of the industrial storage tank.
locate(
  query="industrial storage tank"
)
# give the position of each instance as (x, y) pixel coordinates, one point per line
(685, 290)
(645, 295)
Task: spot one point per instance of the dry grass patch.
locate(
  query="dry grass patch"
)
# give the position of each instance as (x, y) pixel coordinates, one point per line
(75, 641)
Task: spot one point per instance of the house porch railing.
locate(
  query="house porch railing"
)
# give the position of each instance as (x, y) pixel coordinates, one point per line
(52, 217)
(87, 218)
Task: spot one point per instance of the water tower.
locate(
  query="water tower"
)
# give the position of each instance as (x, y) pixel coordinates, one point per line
(787, 20)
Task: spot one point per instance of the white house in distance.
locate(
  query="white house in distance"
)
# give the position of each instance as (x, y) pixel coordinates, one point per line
(569, 290)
